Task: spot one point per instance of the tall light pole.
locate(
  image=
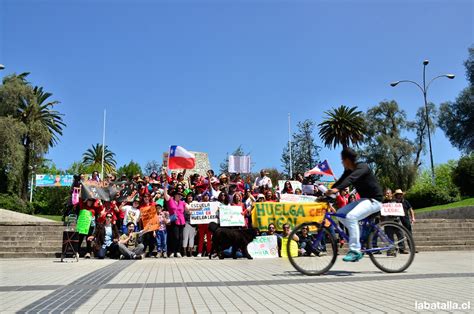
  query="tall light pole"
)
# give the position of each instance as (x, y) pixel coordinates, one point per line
(2, 67)
(424, 90)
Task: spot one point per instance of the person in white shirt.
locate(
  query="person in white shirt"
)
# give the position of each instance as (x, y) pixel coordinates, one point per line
(263, 182)
(132, 214)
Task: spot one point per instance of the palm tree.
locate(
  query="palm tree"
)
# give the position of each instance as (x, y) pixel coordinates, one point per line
(342, 126)
(43, 126)
(93, 158)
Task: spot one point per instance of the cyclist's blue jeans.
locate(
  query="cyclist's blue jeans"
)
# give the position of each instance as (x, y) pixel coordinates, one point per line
(354, 212)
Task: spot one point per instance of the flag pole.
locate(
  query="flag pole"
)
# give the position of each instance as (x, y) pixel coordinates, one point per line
(103, 148)
(289, 145)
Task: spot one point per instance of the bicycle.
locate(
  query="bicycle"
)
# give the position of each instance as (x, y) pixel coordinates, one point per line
(320, 251)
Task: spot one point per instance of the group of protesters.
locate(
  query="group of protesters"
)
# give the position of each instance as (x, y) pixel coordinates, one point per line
(117, 229)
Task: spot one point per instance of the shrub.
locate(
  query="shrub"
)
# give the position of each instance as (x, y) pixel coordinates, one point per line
(463, 175)
(50, 200)
(425, 194)
(13, 202)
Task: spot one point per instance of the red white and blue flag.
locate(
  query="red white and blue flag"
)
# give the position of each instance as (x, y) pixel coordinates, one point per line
(322, 169)
(180, 158)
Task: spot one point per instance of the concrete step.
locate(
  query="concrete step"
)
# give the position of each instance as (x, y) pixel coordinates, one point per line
(30, 255)
(439, 237)
(38, 243)
(33, 249)
(438, 220)
(445, 242)
(26, 238)
(19, 228)
(443, 226)
(444, 248)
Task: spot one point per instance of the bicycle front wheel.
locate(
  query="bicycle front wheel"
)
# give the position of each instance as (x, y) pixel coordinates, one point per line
(392, 248)
(311, 249)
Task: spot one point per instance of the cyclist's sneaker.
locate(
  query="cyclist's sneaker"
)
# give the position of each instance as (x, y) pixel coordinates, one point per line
(353, 256)
(392, 253)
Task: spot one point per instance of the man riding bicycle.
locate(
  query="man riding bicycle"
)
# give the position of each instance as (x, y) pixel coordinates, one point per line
(359, 175)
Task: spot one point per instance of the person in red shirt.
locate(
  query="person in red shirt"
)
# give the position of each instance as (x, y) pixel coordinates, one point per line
(269, 196)
(95, 207)
(237, 201)
(148, 238)
(109, 208)
(342, 199)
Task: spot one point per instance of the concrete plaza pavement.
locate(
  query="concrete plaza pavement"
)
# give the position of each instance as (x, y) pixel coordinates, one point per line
(200, 285)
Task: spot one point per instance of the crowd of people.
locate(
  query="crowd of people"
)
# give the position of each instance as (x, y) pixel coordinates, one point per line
(117, 230)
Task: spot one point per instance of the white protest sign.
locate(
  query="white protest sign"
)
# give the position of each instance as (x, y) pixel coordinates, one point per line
(293, 198)
(308, 189)
(263, 247)
(204, 213)
(294, 184)
(231, 216)
(392, 209)
(239, 164)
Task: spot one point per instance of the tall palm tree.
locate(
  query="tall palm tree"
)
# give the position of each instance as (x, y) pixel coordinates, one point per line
(342, 126)
(93, 158)
(43, 126)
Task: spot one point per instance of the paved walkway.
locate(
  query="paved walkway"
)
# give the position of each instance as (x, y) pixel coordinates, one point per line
(201, 286)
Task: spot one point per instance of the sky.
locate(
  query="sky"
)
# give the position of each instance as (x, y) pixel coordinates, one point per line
(213, 75)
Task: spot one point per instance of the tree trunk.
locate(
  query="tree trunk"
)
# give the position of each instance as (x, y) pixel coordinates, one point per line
(26, 170)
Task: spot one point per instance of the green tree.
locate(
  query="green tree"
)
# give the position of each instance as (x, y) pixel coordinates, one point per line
(304, 151)
(457, 118)
(342, 126)
(151, 166)
(463, 175)
(394, 158)
(224, 166)
(35, 121)
(130, 169)
(92, 159)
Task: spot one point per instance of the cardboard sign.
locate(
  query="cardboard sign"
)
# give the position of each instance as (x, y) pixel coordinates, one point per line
(84, 221)
(263, 247)
(280, 213)
(231, 216)
(294, 184)
(204, 213)
(293, 198)
(392, 209)
(149, 218)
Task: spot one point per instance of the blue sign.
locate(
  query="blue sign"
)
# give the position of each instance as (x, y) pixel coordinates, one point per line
(51, 180)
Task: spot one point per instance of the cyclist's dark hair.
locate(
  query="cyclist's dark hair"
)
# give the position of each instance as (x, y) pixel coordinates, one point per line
(349, 153)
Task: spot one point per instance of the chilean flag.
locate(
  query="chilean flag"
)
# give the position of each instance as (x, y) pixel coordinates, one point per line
(179, 158)
(322, 168)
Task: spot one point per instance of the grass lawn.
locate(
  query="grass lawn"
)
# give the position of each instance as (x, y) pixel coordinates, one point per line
(52, 217)
(466, 202)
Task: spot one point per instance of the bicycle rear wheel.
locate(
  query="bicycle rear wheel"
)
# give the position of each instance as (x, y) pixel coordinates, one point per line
(394, 247)
(317, 254)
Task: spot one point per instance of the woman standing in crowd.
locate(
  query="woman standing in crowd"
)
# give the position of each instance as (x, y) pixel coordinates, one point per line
(176, 208)
(94, 207)
(189, 232)
(288, 188)
(203, 231)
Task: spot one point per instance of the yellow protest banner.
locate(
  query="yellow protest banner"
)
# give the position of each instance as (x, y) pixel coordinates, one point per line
(266, 213)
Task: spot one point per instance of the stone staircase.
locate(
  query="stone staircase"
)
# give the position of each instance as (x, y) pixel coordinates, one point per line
(30, 240)
(444, 234)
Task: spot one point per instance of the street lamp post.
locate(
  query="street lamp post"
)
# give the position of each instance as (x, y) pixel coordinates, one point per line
(424, 90)
(2, 67)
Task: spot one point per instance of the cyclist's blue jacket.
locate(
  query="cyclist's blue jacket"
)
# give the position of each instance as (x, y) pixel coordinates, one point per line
(364, 181)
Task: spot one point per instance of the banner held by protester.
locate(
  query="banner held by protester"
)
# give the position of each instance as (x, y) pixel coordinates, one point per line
(204, 213)
(280, 213)
(263, 247)
(149, 218)
(231, 216)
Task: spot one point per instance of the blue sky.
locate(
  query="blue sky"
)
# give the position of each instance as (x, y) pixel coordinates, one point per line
(211, 75)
